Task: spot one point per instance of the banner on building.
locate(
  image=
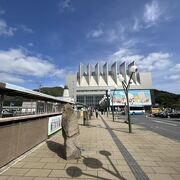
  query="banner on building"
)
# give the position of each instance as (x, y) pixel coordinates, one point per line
(54, 124)
(136, 98)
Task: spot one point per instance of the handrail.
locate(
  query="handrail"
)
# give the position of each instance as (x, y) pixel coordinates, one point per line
(20, 118)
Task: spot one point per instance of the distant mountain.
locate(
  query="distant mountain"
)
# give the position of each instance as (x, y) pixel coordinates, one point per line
(163, 98)
(167, 99)
(53, 91)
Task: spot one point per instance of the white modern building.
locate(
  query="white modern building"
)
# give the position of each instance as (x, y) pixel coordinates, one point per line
(90, 84)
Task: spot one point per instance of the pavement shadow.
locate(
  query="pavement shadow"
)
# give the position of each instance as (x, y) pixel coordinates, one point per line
(59, 149)
(117, 174)
(94, 163)
(114, 129)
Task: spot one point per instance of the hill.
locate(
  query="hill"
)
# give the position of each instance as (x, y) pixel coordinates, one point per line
(166, 99)
(163, 98)
(53, 91)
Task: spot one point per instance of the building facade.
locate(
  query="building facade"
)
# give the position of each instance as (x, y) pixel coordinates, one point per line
(90, 84)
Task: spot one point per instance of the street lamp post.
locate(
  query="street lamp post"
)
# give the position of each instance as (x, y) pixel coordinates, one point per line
(126, 86)
(107, 100)
(105, 104)
(112, 99)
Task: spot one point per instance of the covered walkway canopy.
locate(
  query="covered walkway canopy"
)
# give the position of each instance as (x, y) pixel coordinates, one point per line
(7, 89)
(13, 90)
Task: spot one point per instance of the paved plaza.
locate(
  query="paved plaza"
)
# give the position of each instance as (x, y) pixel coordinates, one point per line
(108, 152)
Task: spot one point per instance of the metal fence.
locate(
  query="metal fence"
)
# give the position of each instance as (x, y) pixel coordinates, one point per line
(32, 108)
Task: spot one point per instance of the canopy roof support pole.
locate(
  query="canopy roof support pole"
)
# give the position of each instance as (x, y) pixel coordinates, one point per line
(1, 104)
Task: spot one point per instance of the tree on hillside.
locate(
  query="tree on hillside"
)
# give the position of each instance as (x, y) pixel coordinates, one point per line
(53, 91)
(166, 99)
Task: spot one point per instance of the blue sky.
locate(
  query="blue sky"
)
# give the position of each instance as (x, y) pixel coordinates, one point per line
(43, 41)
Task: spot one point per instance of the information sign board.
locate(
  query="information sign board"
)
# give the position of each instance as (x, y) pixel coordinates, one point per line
(136, 98)
(54, 124)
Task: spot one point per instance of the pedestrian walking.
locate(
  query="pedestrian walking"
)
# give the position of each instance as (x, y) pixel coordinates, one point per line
(96, 113)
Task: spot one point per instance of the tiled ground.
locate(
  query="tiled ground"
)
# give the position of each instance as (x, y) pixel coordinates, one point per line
(158, 156)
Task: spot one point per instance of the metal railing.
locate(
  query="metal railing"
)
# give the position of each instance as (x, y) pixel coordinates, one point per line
(31, 108)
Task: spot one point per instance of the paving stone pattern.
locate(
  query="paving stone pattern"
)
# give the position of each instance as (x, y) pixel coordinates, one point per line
(134, 166)
(157, 156)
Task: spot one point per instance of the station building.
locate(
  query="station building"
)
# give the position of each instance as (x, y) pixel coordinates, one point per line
(90, 84)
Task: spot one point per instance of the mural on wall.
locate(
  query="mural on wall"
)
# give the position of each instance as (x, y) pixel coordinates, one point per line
(136, 97)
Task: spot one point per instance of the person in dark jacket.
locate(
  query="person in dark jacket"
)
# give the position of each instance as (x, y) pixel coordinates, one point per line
(96, 113)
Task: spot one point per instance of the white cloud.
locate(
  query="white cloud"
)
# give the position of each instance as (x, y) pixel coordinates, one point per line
(95, 33)
(174, 73)
(5, 29)
(122, 52)
(16, 63)
(7, 77)
(131, 42)
(176, 68)
(136, 25)
(108, 36)
(115, 33)
(112, 36)
(164, 71)
(30, 44)
(174, 77)
(66, 5)
(59, 72)
(152, 12)
(26, 29)
(155, 12)
(153, 61)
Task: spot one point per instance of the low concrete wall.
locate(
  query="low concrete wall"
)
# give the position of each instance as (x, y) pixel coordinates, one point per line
(20, 134)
